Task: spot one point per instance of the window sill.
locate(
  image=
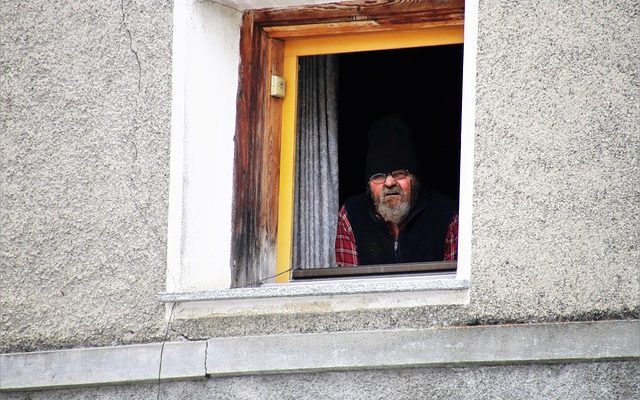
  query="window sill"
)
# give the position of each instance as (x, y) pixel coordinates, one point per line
(322, 296)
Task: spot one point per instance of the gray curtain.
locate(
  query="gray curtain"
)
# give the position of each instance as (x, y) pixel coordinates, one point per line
(316, 189)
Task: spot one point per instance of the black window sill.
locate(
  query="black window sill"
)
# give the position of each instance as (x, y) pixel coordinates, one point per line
(369, 270)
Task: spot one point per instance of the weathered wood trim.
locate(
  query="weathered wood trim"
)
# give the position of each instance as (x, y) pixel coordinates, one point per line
(257, 140)
(384, 11)
(271, 165)
(245, 247)
(340, 28)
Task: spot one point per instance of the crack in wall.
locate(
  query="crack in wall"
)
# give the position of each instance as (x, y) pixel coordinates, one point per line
(135, 151)
(139, 211)
(133, 187)
(218, 4)
(164, 341)
(198, 339)
(129, 35)
(190, 339)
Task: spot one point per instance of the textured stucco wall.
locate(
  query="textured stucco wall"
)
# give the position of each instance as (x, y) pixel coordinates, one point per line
(556, 205)
(85, 163)
(85, 118)
(607, 380)
(556, 223)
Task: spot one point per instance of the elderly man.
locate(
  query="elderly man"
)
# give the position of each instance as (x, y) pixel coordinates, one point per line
(397, 220)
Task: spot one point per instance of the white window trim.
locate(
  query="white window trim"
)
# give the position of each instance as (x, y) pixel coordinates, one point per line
(205, 61)
(199, 231)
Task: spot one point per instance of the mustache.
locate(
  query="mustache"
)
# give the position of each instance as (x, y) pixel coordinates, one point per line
(392, 191)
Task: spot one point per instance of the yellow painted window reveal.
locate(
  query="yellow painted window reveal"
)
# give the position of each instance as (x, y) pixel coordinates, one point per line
(349, 43)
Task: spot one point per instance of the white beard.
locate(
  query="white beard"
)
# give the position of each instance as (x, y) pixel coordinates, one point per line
(393, 213)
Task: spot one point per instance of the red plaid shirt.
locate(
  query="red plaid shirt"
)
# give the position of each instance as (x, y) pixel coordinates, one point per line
(347, 254)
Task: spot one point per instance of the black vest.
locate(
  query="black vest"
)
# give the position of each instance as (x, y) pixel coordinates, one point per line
(422, 233)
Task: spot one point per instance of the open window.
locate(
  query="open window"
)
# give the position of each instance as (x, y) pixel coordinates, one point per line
(399, 43)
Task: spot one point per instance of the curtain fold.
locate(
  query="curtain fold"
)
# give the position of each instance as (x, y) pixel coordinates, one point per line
(316, 188)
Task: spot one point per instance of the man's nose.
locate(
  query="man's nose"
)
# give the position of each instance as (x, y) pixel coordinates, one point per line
(390, 181)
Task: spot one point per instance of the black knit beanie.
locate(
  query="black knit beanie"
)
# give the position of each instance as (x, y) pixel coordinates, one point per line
(391, 147)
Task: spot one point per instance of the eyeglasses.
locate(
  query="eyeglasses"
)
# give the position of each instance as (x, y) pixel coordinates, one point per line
(380, 177)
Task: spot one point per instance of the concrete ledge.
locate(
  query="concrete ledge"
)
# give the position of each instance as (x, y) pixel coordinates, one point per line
(321, 296)
(102, 365)
(555, 342)
(456, 346)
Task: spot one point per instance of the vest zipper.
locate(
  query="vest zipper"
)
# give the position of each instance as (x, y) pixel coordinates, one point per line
(395, 249)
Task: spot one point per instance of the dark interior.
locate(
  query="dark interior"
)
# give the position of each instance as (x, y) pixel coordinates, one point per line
(422, 84)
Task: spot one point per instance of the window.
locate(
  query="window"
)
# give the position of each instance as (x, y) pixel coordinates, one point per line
(265, 133)
(417, 73)
(224, 145)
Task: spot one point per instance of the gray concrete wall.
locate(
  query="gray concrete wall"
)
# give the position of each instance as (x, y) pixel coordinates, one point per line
(85, 118)
(606, 380)
(556, 209)
(556, 194)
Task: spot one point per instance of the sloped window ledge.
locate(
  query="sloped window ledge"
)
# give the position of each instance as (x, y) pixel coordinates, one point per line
(315, 297)
(460, 346)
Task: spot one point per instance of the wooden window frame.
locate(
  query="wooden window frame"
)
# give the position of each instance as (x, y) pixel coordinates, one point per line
(259, 116)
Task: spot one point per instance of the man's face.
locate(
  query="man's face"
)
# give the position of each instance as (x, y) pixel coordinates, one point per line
(392, 197)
